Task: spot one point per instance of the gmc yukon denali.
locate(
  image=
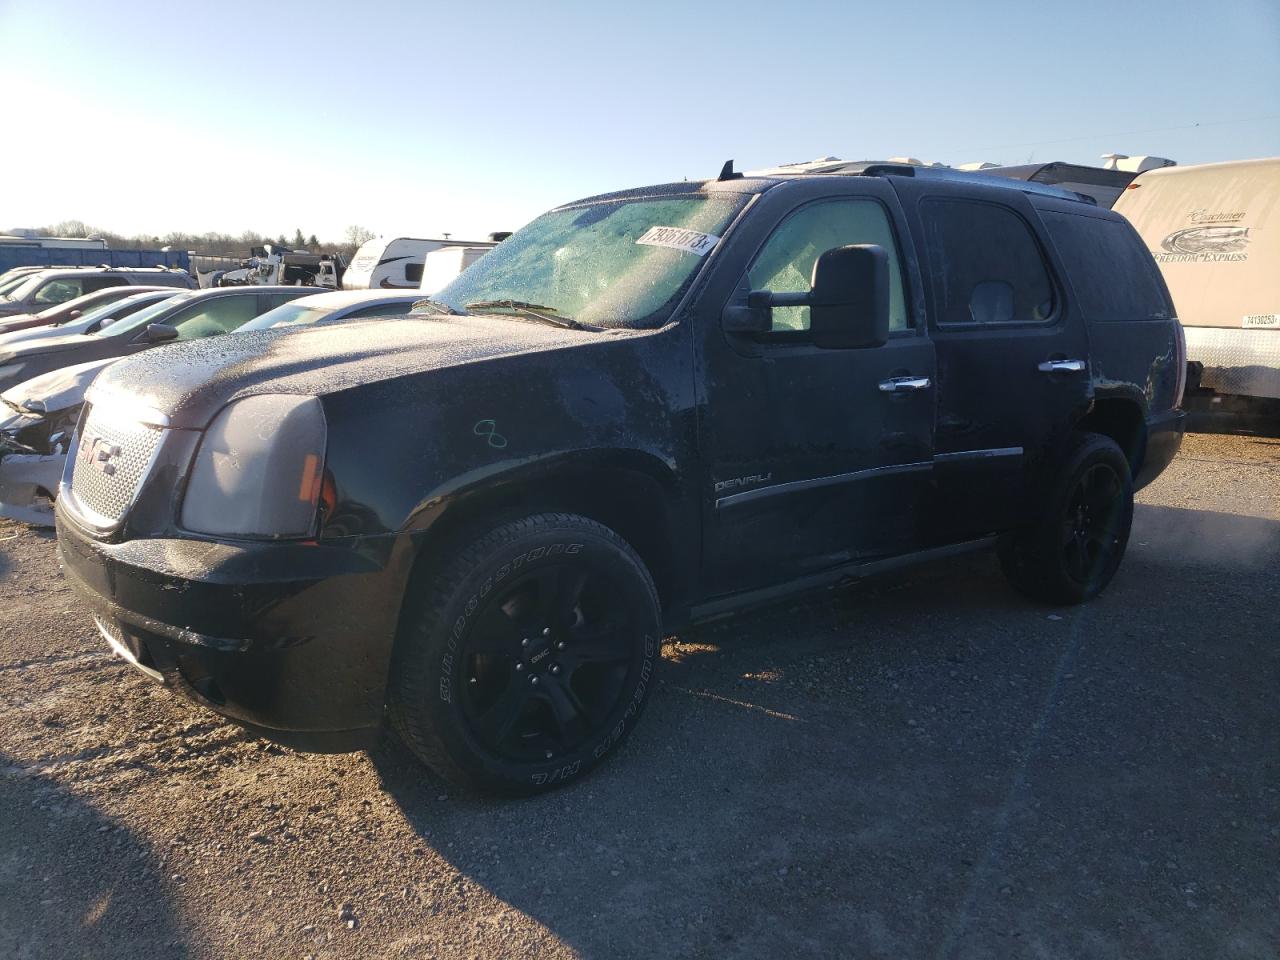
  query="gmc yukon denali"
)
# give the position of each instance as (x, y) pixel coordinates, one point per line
(643, 409)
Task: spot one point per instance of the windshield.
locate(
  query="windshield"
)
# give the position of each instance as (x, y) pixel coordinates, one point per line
(144, 316)
(288, 315)
(114, 308)
(8, 286)
(618, 263)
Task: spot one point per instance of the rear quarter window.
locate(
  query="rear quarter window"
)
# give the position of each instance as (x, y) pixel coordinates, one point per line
(1111, 272)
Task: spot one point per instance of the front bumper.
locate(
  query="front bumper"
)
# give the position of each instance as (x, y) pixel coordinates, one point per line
(291, 640)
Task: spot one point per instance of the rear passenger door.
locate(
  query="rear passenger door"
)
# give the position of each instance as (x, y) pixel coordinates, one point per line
(1012, 351)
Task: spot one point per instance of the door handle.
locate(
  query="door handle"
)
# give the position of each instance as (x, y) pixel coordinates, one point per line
(1062, 366)
(905, 384)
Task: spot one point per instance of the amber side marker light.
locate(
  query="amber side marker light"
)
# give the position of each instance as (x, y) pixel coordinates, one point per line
(309, 489)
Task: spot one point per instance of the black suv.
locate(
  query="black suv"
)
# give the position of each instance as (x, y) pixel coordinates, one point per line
(642, 409)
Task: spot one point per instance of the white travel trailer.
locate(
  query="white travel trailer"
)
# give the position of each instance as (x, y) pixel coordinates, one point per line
(1214, 229)
(441, 266)
(395, 264)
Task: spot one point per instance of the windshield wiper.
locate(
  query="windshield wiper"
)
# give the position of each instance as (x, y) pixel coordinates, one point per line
(537, 311)
(436, 306)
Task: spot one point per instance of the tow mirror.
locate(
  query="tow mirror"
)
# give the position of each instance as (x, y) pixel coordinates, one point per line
(160, 332)
(848, 300)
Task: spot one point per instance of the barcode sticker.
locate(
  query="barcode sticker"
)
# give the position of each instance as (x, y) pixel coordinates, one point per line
(690, 241)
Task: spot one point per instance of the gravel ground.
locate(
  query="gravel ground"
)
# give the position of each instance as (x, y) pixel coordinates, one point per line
(923, 766)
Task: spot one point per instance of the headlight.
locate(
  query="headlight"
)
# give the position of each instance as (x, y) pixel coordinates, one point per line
(258, 470)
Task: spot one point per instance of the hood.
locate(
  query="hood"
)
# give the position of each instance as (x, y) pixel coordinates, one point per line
(10, 353)
(14, 321)
(190, 382)
(59, 390)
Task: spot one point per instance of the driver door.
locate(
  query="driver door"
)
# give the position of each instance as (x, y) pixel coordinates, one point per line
(815, 458)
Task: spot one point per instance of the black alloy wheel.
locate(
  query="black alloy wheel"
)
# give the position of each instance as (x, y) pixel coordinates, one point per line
(1091, 526)
(1073, 538)
(546, 661)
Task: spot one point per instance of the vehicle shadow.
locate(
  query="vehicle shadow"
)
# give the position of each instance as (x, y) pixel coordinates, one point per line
(73, 883)
(852, 773)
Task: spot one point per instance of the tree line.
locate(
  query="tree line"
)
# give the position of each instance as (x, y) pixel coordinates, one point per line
(213, 243)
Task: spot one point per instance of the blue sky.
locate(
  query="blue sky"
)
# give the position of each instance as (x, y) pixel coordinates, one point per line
(418, 118)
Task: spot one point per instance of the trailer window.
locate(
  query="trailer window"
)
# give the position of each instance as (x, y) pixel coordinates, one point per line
(1111, 272)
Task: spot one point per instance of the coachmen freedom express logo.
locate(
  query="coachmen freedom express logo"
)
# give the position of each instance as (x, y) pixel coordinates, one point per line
(1216, 238)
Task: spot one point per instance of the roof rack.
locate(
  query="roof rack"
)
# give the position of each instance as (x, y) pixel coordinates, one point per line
(833, 166)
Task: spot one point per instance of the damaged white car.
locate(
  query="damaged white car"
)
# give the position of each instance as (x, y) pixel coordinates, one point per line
(37, 418)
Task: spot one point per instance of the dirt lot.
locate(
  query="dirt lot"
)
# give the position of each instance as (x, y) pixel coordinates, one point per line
(923, 766)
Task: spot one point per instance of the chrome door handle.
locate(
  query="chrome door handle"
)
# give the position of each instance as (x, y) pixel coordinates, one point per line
(1062, 366)
(905, 384)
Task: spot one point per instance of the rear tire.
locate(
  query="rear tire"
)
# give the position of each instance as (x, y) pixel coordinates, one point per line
(526, 655)
(1070, 549)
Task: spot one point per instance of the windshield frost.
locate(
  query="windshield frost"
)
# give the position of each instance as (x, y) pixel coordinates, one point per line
(585, 263)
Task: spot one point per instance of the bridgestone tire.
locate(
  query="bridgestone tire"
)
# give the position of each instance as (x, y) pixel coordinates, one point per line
(1070, 548)
(588, 663)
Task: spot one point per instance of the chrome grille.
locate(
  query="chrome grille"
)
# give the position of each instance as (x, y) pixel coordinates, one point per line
(112, 458)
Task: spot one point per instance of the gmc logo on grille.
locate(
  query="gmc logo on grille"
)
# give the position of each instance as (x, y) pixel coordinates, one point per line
(98, 453)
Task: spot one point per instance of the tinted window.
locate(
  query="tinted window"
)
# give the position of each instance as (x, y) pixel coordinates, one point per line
(413, 272)
(381, 310)
(58, 291)
(984, 264)
(785, 265)
(1109, 269)
(218, 315)
(91, 284)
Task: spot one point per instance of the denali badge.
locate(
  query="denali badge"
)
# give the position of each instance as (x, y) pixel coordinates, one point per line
(98, 453)
(736, 482)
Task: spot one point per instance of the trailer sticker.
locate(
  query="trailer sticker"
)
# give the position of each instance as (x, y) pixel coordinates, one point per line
(677, 238)
(1260, 320)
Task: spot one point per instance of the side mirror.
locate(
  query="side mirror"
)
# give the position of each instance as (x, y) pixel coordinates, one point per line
(160, 332)
(75, 314)
(849, 300)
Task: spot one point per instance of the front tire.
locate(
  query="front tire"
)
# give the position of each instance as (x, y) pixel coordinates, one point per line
(1070, 549)
(526, 655)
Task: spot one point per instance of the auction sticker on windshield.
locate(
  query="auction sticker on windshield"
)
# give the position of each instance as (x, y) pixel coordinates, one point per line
(677, 238)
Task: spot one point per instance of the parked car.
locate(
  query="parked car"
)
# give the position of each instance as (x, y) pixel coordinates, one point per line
(63, 316)
(334, 306)
(38, 414)
(188, 315)
(642, 409)
(47, 288)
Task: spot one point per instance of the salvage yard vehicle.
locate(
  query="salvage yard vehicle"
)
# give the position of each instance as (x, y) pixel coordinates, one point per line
(87, 314)
(48, 288)
(332, 307)
(643, 409)
(1214, 230)
(37, 415)
(187, 315)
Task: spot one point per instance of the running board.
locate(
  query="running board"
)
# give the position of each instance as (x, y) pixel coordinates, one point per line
(829, 578)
